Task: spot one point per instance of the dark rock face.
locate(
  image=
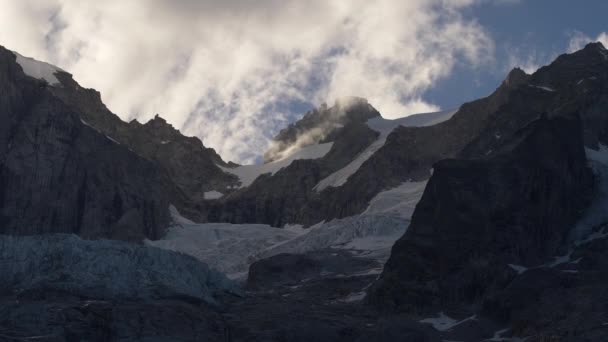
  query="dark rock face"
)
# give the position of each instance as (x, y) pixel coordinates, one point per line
(477, 216)
(191, 166)
(291, 269)
(281, 269)
(72, 319)
(59, 175)
(564, 303)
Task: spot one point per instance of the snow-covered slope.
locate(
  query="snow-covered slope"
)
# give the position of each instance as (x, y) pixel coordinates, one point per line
(397, 202)
(38, 69)
(210, 195)
(368, 235)
(231, 248)
(104, 269)
(384, 127)
(248, 173)
(224, 246)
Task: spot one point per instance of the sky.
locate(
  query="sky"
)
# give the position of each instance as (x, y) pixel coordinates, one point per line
(234, 72)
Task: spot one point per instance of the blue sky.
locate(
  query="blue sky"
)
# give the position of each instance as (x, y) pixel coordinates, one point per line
(534, 30)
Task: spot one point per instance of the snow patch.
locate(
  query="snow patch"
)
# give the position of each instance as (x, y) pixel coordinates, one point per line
(355, 297)
(112, 140)
(593, 236)
(518, 268)
(211, 195)
(497, 337)
(248, 173)
(542, 88)
(397, 202)
(560, 260)
(38, 69)
(444, 323)
(384, 127)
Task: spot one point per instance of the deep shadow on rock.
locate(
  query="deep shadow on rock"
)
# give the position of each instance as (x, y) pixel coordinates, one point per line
(478, 216)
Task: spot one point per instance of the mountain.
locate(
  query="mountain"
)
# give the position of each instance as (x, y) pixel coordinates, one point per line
(487, 222)
(70, 165)
(486, 235)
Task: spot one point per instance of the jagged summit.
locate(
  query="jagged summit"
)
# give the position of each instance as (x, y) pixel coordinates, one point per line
(594, 46)
(515, 77)
(316, 125)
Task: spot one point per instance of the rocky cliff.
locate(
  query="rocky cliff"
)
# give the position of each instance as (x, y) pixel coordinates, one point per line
(470, 223)
(58, 174)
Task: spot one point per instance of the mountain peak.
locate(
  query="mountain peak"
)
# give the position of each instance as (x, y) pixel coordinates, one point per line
(315, 125)
(594, 46)
(515, 77)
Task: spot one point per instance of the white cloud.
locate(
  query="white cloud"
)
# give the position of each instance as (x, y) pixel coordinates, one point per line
(227, 71)
(578, 40)
(530, 61)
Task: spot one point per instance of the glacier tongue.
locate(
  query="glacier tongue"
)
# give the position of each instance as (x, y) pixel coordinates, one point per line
(104, 269)
(226, 247)
(398, 202)
(231, 248)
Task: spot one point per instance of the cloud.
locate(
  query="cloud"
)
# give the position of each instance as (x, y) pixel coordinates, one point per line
(231, 71)
(578, 40)
(529, 61)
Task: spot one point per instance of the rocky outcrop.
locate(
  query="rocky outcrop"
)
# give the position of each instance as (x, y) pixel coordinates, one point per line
(319, 124)
(477, 216)
(58, 174)
(191, 166)
(281, 269)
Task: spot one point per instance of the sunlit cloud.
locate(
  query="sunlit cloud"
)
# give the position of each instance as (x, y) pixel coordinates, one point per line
(578, 40)
(229, 72)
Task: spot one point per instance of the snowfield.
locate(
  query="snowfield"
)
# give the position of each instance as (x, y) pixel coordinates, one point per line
(384, 127)
(211, 195)
(231, 248)
(248, 173)
(397, 202)
(104, 269)
(38, 69)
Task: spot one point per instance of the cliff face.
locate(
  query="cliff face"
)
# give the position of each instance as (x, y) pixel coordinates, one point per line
(191, 166)
(58, 174)
(477, 216)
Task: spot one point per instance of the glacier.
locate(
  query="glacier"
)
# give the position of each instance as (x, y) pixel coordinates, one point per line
(232, 248)
(105, 270)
